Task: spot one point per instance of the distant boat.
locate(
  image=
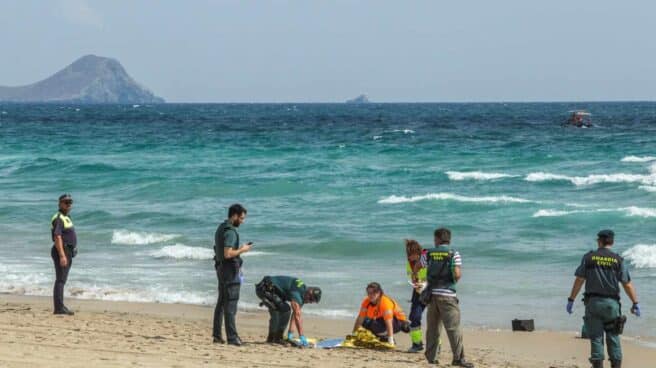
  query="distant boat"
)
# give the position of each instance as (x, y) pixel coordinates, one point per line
(362, 99)
(579, 119)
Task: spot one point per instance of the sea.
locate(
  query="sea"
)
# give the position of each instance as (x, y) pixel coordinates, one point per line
(332, 191)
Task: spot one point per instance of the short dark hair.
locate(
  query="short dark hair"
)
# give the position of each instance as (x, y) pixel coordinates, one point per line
(236, 209)
(375, 287)
(443, 234)
(606, 240)
(606, 237)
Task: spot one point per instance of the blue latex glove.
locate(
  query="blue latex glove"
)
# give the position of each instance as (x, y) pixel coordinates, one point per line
(636, 309)
(570, 306)
(290, 336)
(304, 341)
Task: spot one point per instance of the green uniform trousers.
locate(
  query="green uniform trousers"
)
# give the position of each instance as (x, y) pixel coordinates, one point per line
(443, 310)
(599, 311)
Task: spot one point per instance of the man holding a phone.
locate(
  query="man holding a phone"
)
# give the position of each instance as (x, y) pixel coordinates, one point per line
(227, 262)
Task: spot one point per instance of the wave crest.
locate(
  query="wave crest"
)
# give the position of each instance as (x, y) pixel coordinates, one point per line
(181, 251)
(476, 175)
(641, 255)
(394, 199)
(638, 159)
(593, 179)
(126, 237)
(648, 188)
(632, 211)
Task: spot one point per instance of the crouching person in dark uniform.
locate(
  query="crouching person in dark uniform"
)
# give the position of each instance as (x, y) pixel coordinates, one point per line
(63, 250)
(227, 262)
(275, 292)
(381, 315)
(602, 271)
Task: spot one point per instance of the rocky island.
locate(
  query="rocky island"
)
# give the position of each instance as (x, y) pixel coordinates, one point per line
(90, 79)
(362, 99)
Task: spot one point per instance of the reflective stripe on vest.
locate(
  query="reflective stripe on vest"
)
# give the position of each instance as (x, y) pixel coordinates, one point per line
(68, 223)
(421, 275)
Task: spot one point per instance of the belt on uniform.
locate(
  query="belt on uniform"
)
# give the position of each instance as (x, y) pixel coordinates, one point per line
(597, 295)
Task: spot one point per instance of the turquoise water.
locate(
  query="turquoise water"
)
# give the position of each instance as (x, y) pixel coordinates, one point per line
(332, 190)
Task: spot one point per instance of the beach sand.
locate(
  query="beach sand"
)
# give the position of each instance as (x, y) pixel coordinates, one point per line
(121, 334)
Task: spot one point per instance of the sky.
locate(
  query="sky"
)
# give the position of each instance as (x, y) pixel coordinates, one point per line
(330, 51)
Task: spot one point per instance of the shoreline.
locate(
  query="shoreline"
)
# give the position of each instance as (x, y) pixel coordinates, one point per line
(647, 341)
(104, 333)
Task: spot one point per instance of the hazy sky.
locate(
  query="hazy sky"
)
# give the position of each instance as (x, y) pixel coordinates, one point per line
(311, 50)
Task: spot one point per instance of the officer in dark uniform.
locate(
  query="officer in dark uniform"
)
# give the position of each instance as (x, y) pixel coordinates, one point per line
(602, 271)
(275, 292)
(227, 263)
(63, 250)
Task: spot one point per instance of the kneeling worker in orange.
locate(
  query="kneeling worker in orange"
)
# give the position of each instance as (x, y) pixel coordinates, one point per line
(381, 315)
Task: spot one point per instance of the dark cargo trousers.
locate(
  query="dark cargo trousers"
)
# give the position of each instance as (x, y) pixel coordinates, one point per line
(61, 275)
(226, 306)
(599, 311)
(443, 309)
(278, 320)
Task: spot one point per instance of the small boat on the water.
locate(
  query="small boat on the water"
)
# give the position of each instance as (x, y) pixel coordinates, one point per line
(579, 119)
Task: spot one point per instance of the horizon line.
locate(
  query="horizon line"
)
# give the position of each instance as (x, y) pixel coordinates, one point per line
(326, 102)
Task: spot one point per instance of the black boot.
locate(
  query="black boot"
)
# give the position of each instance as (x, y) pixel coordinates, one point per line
(269, 338)
(416, 348)
(462, 363)
(597, 363)
(615, 363)
(279, 339)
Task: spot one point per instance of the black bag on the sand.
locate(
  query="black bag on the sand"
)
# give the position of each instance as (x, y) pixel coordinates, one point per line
(523, 325)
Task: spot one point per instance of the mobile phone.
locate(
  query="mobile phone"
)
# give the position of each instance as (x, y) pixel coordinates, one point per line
(250, 243)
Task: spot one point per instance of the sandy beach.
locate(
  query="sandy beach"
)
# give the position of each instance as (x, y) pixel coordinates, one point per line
(111, 334)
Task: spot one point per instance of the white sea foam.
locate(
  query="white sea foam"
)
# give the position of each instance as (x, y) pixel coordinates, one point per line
(553, 213)
(632, 211)
(593, 179)
(378, 137)
(641, 255)
(139, 238)
(331, 313)
(639, 159)
(405, 131)
(393, 199)
(640, 212)
(181, 251)
(648, 188)
(476, 175)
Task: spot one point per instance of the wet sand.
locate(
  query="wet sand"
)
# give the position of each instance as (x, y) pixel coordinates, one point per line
(121, 334)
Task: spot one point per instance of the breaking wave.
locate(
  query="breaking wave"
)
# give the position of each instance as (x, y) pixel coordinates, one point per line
(476, 175)
(593, 179)
(641, 255)
(648, 188)
(137, 238)
(638, 159)
(393, 199)
(632, 211)
(181, 251)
